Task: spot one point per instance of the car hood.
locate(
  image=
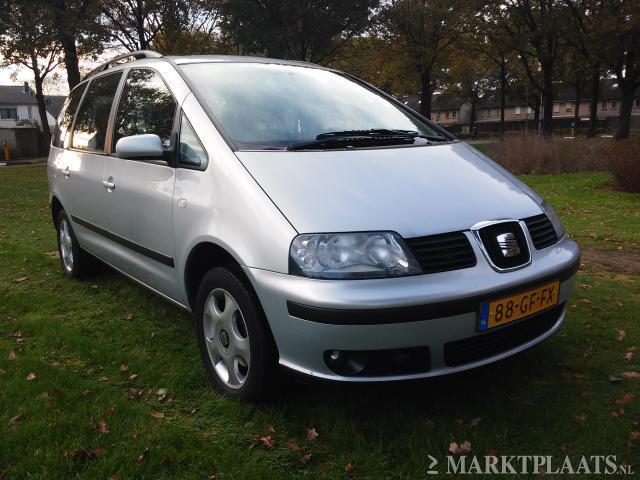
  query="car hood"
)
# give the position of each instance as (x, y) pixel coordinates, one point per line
(414, 191)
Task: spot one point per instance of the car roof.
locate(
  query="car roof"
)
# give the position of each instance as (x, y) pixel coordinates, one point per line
(186, 59)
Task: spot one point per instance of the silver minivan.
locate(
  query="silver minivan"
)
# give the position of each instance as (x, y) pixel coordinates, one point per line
(308, 220)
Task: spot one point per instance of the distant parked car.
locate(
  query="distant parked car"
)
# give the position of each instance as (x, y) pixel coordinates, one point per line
(307, 219)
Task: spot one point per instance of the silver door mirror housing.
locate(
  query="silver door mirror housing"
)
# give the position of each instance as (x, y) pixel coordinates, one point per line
(140, 146)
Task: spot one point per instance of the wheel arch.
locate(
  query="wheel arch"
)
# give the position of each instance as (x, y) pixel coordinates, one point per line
(203, 257)
(56, 208)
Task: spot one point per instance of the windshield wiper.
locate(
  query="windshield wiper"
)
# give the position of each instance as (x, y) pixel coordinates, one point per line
(380, 132)
(351, 141)
(362, 138)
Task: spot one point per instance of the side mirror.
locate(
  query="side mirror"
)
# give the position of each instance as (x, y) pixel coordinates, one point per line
(147, 146)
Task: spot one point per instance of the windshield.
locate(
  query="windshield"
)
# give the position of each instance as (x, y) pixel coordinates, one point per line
(271, 106)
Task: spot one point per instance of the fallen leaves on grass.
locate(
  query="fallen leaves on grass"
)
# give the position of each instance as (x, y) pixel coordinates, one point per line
(629, 355)
(631, 374)
(16, 419)
(464, 447)
(349, 467)
(12, 355)
(617, 412)
(270, 428)
(31, 377)
(133, 376)
(293, 445)
(21, 279)
(102, 427)
(581, 419)
(614, 379)
(17, 336)
(634, 437)
(124, 367)
(312, 434)
(128, 316)
(475, 422)
(586, 286)
(141, 458)
(53, 254)
(266, 440)
(157, 415)
(626, 398)
(621, 335)
(305, 458)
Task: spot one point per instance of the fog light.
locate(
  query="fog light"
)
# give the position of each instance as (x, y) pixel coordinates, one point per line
(335, 355)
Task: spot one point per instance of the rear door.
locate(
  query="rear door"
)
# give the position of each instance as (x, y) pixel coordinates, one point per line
(140, 204)
(84, 160)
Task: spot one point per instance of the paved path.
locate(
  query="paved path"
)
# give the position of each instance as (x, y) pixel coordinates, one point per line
(23, 161)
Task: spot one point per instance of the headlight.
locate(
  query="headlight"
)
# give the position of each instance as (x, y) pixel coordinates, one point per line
(351, 255)
(555, 220)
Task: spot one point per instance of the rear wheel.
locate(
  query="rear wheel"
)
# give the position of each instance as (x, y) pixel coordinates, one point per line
(75, 262)
(235, 343)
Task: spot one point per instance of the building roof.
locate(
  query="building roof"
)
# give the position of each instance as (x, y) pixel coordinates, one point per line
(54, 104)
(16, 95)
(439, 101)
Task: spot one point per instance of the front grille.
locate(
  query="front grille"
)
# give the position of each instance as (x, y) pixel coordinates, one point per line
(541, 230)
(502, 339)
(489, 236)
(442, 252)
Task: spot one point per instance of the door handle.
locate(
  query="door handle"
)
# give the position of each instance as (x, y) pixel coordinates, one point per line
(66, 172)
(109, 184)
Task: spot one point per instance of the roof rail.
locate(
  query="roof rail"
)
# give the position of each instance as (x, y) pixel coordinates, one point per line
(136, 55)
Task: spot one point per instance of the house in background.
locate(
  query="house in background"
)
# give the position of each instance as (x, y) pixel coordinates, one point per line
(20, 118)
(454, 113)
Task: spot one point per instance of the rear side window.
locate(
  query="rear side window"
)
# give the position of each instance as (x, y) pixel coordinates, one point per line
(68, 112)
(191, 152)
(90, 129)
(146, 106)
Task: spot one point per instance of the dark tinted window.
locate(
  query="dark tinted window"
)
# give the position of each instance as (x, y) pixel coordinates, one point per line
(90, 130)
(191, 153)
(146, 106)
(68, 112)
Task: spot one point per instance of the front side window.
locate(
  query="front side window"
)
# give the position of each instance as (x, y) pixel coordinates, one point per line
(90, 129)
(191, 153)
(146, 106)
(269, 106)
(68, 112)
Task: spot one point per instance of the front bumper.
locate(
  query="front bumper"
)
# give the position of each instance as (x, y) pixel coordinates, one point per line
(431, 311)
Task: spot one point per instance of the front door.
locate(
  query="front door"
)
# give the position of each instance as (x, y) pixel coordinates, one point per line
(140, 192)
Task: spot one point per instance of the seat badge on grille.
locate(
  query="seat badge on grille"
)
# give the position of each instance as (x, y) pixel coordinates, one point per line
(508, 244)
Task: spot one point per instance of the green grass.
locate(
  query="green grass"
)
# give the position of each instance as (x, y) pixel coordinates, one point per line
(592, 212)
(76, 335)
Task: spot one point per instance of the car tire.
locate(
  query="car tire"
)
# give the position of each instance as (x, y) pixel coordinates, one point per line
(235, 342)
(75, 262)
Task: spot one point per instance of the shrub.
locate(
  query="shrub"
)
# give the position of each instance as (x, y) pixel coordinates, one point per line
(524, 154)
(623, 157)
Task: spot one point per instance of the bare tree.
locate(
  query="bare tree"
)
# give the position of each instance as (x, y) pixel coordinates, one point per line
(427, 30)
(32, 47)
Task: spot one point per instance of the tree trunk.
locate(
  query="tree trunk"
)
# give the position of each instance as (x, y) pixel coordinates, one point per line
(595, 98)
(42, 109)
(425, 94)
(576, 115)
(503, 89)
(70, 60)
(68, 42)
(627, 89)
(547, 96)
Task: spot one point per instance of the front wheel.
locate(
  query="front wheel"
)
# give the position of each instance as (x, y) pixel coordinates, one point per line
(234, 339)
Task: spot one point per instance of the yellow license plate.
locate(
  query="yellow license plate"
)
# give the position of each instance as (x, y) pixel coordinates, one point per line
(514, 307)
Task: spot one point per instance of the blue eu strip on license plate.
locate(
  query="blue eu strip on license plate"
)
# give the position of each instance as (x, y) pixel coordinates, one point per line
(484, 316)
